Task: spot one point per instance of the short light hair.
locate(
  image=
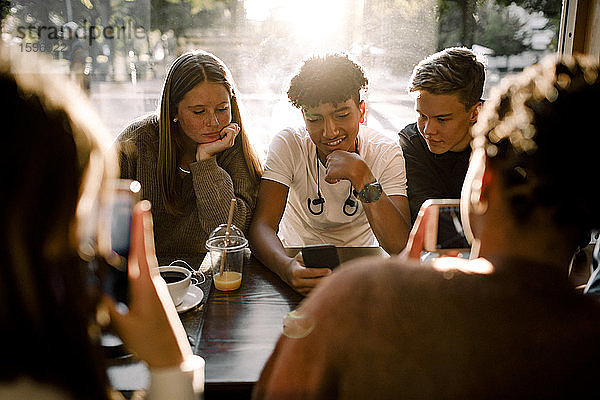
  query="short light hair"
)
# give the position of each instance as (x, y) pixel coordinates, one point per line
(454, 70)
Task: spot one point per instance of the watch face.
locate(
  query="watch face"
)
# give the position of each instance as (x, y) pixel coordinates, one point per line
(371, 192)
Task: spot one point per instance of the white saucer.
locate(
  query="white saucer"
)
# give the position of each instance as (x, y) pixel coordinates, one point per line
(192, 298)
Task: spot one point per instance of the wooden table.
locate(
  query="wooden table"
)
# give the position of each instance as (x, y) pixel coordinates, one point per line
(241, 327)
(235, 332)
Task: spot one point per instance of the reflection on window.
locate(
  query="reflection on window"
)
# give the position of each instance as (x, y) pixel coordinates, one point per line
(119, 50)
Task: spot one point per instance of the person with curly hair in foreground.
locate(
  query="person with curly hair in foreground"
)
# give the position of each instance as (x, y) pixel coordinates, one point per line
(332, 181)
(505, 325)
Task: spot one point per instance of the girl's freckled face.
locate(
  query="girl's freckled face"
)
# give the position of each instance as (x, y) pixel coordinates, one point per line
(204, 111)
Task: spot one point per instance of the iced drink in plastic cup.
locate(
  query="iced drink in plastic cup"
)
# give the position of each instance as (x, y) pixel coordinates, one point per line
(229, 280)
(227, 258)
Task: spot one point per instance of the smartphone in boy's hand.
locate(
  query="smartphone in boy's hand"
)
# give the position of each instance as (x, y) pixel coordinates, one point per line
(320, 256)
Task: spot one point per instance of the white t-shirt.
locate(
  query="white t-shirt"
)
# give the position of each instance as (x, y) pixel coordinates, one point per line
(292, 161)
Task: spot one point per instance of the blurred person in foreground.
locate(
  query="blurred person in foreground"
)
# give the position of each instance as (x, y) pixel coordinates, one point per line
(447, 88)
(330, 181)
(58, 172)
(507, 324)
(192, 157)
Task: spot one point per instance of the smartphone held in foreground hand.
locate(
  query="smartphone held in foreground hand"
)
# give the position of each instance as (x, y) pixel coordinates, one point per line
(116, 230)
(443, 227)
(320, 256)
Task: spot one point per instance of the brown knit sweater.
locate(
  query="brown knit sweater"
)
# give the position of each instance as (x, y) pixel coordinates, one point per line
(207, 192)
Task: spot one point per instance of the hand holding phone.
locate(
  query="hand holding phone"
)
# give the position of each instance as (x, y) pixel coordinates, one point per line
(443, 227)
(425, 231)
(320, 256)
(115, 233)
(150, 306)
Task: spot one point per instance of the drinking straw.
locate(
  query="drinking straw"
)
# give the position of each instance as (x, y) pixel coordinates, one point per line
(227, 232)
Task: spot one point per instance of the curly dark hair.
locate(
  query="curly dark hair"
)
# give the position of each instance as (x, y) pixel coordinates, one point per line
(537, 132)
(331, 78)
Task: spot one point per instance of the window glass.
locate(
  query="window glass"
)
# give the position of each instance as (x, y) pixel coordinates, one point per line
(118, 50)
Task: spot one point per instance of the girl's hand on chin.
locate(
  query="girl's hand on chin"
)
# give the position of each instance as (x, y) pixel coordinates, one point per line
(226, 140)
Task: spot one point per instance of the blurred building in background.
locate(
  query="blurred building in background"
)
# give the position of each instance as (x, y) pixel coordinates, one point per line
(119, 50)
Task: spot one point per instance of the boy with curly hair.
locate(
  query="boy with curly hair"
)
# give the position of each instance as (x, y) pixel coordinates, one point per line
(330, 181)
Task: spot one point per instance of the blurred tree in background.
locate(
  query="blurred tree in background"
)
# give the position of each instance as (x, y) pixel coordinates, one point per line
(500, 30)
(391, 33)
(491, 23)
(4, 8)
(183, 15)
(551, 9)
(456, 22)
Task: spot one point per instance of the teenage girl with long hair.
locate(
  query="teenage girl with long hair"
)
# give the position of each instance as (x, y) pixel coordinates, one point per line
(192, 157)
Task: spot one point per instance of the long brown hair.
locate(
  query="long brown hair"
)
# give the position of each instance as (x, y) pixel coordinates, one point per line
(186, 72)
(59, 158)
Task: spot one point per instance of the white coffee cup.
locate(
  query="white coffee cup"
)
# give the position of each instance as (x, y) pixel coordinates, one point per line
(178, 281)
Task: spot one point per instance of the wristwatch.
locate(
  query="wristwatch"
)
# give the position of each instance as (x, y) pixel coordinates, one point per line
(370, 193)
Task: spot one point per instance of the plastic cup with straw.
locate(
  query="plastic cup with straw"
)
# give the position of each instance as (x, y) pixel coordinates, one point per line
(227, 255)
